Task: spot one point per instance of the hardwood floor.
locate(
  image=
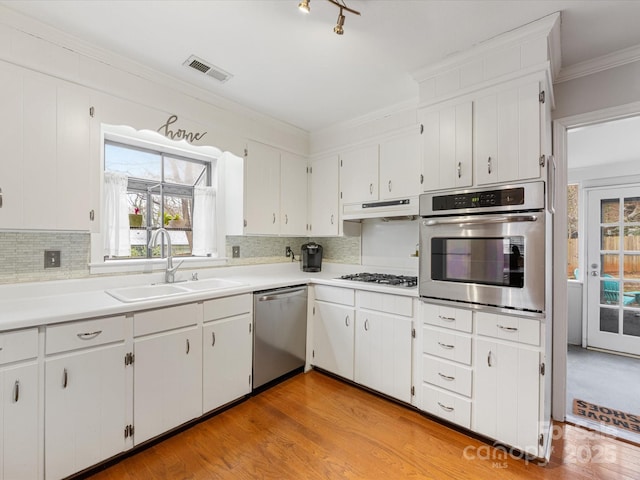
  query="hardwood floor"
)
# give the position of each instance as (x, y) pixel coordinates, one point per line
(313, 426)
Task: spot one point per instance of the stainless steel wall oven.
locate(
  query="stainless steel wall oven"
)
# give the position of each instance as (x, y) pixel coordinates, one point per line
(485, 246)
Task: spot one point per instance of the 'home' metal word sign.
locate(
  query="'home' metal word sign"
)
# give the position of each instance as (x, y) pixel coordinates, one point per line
(180, 133)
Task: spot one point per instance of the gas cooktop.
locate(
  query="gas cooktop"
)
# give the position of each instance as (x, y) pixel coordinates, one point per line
(383, 278)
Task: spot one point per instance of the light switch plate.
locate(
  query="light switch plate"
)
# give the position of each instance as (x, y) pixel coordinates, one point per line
(52, 259)
(235, 251)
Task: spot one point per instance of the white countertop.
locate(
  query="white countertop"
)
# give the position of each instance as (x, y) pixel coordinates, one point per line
(42, 303)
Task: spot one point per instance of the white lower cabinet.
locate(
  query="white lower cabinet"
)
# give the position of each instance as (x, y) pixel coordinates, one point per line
(507, 396)
(167, 369)
(483, 371)
(85, 399)
(333, 330)
(383, 341)
(226, 350)
(19, 457)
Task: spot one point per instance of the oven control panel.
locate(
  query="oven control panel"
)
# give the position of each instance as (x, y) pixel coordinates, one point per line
(487, 198)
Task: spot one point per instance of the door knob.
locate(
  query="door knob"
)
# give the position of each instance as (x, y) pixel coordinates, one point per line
(595, 273)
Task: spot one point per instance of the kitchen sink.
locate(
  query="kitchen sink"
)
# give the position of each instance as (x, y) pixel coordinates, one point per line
(163, 290)
(210, 284)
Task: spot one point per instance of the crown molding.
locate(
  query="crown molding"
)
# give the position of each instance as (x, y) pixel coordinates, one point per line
(29, 26)
(599, 64)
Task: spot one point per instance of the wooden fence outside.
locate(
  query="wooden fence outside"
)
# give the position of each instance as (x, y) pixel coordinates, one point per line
(611, 262)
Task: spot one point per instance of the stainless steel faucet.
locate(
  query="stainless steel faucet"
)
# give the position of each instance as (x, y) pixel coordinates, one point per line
(169, 274)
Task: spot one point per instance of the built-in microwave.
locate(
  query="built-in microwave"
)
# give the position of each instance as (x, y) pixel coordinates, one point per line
(484, 246)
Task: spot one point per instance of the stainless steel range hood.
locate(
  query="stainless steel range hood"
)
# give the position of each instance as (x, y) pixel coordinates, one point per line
(405, 207)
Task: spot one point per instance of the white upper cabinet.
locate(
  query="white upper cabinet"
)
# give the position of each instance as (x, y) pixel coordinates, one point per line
(400, 166)
(447, 147)
(325, 204)
(507, 137)
(359, 174)
(293, 195)
(45, 125)
(275, 192)
(262, 190)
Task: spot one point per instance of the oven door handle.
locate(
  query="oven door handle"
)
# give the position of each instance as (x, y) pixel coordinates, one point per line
(482, 220)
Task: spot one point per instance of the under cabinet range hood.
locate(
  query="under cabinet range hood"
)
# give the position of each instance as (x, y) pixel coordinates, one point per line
(405, 207)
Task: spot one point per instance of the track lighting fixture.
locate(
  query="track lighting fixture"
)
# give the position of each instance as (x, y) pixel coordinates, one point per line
(304, 6)
(339, 28)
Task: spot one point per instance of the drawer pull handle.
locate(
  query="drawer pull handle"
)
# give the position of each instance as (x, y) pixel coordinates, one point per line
(16, 391)
(446, 377)
(346, 320)
(489, 359)
(65, 378)
(448, 319)
(445, 408)
(507, 329)
(89, 335)
(446, 345)
(188, 346)
(213, 339)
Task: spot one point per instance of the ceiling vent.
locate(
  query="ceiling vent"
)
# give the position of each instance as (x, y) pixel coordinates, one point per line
(203, 66)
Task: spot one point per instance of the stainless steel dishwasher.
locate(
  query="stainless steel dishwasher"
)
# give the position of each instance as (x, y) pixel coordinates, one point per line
(280, 333)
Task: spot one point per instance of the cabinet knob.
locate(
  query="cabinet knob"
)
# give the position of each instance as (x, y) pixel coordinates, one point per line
(188, 346)
(489, 165)
(274, 218)
(346, 320)
(213, 339)
(366, 324)
(389, 185)
(65, 378)
(459, 169)
(16, 391)
(371, 188)
(0, 198)
(489, 359)
(332, 219)
(286, 219)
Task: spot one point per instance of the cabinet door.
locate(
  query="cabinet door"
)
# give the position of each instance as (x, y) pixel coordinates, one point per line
(40, 206)
(400, 166)
(359, 175)
(85, 409)
(19, 442)
(506, 397)
(383, 353)
(262, 190)
(226, 351)
(293, 195)
(447, 147)
(11, 165)
(333, 330)
(73, 158)
(167, 381)
(507, 141)
(325, 196)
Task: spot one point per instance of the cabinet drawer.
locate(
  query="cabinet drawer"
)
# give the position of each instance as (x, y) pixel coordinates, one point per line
(163, 319)
(447, 375)
(227, 307)
(18, 345)
(87, 333)
(447, 317)
(448, 345)
(382, 302)
(343, 296)
(448, 406)
(516, 329)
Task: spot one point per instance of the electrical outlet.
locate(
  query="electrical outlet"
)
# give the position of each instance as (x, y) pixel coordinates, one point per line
(287, 252)
(235, 251)
(51, 258)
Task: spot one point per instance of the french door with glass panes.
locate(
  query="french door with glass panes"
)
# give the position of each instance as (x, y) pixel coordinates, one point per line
(612, 280)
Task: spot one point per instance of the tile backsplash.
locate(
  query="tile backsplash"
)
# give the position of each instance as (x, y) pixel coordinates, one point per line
(22, 253)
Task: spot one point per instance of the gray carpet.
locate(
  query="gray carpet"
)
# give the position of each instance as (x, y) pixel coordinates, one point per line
(608, 380)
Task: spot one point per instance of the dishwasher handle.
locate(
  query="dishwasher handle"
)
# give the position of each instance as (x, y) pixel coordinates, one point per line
(283, 294)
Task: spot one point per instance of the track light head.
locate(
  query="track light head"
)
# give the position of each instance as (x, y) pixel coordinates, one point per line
(304, 6)
(338, 28)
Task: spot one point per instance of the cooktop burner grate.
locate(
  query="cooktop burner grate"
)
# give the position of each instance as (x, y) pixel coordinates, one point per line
(383, 278)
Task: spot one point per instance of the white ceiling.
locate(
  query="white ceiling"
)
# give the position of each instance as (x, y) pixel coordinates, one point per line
(604, 144)
(293, 67)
